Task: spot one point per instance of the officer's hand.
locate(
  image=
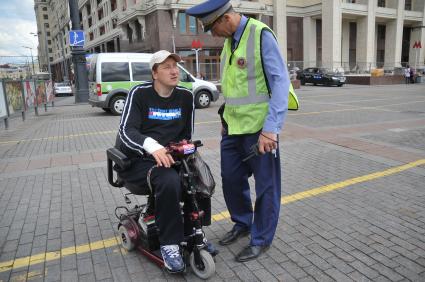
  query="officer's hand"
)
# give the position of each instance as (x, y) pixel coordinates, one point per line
(267, 142)
(162, 158)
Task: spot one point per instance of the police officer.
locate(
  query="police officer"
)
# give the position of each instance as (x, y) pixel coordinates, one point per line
(255, 86)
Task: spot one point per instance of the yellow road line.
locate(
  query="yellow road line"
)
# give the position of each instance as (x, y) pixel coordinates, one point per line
(335, 186)
(111, 242)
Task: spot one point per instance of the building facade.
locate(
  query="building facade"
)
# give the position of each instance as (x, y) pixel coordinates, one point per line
(354, 35)
(53, 25)
(358, 35)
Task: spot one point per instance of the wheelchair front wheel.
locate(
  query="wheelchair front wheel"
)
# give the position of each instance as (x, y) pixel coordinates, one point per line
(207, 267)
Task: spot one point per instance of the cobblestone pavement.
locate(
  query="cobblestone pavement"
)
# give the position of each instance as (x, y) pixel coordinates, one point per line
(353, 205)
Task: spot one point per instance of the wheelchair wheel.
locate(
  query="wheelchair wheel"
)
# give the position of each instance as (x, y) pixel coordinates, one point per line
(207, 268)
(125, 239)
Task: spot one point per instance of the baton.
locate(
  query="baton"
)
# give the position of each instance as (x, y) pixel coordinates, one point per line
(255, 152)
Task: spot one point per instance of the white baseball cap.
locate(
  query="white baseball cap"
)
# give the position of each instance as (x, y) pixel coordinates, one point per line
(160, 56)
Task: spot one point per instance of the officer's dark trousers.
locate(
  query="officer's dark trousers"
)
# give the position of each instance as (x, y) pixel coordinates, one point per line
(168, 194)
(266, 170)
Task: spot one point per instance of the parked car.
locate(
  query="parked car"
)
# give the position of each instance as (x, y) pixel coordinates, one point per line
(63, 88)
(321, 76)
(112, 75)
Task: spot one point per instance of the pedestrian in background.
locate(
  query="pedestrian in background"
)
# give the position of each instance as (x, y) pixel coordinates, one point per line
(255, 86)
(412, 75)
(407, 74)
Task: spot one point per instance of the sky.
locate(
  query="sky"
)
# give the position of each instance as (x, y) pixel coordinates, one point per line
(17, 20)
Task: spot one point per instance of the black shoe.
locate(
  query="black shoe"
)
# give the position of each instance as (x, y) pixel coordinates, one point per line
(233, 235)
(251, 252)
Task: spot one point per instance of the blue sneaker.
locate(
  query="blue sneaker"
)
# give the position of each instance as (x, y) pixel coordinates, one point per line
(173, 261)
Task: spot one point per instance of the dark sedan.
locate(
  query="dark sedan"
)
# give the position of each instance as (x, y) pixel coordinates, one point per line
(320, 76)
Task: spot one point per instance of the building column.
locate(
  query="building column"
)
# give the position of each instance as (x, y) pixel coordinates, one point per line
(309, 42)
(422, 38)
(366, 39)
(280, 25)
(416, 56)
(345, 45)
(331, 34)
(394, 32)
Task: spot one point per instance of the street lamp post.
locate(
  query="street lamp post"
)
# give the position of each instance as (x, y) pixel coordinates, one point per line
(78, 58)
(38, 57)
(32, 59)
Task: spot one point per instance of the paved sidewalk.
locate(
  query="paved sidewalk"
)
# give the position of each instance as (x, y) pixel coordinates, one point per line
(353, 205)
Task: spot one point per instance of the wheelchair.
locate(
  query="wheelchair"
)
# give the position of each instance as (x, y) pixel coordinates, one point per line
(137, 228)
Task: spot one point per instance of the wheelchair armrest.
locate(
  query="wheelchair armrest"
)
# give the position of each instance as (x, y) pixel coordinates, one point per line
(118, 158)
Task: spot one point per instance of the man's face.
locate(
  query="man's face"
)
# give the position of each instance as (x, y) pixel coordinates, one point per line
(167, 73)
(221, 27)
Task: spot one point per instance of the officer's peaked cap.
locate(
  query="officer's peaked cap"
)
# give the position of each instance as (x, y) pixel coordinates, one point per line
(209, 11)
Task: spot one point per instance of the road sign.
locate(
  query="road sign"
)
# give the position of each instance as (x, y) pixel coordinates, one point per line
(417, 45)
(76, 37)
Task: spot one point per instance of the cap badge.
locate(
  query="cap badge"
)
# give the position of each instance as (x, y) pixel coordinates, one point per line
(241, 63)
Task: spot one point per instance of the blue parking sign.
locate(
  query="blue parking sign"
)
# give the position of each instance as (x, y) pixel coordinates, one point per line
(76, 37)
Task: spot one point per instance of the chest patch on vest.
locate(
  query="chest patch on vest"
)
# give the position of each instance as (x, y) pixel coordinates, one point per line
(241, 63)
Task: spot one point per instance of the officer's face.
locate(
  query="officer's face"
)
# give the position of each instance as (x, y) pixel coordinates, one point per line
(221, 27)
(167, 73)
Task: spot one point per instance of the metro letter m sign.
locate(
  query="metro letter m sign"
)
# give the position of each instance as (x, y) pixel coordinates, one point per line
(417, 45)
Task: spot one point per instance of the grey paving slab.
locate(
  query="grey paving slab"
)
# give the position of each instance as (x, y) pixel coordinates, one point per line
(367, 231)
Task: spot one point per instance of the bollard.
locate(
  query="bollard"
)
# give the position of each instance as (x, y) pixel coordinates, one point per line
(45, 107)
(6, 123)
(36, 111)
(23, 116)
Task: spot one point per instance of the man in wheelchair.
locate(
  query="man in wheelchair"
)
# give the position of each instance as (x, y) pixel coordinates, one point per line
(155, 114)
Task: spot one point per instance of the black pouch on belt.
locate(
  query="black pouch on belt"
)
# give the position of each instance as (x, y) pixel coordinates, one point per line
(223, 122)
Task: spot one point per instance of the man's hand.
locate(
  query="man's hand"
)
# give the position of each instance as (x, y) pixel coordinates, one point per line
(162, 158)
(267, 142)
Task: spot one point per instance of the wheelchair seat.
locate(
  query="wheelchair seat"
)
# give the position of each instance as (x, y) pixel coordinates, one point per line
(117, 161)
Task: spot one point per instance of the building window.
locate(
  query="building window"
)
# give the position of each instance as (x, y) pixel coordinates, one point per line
(46, 17)
(381, 3)
(50, 50)
(48, 33)
(113, 5)
(49, 42)
(100, 13)
(44, 9)
(380, 46)
(91, 37)
(102, 30)
(319, 42)
(187, 24)
(408, 5)
(90, 21)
